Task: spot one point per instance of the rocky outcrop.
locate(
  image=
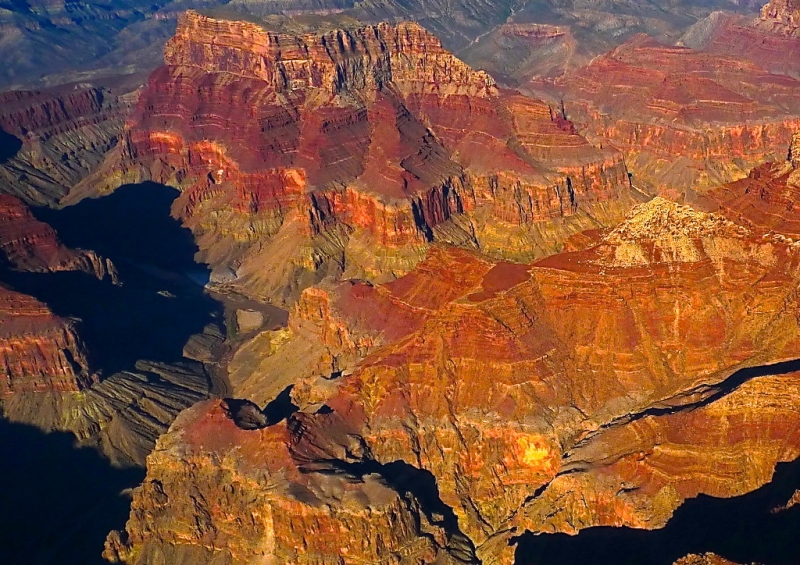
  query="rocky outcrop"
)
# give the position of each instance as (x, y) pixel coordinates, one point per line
(636, 475)
(687, 120)
(297, 513)
(62, 135)
(39, 352)
(783, 16)
(611, 365)
(350, 148)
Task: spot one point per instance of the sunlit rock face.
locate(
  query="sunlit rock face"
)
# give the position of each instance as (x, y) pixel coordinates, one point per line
(783, 16)
(584, 389)
(349, 148)
(257, 495)
(39, 351)
(687, 119)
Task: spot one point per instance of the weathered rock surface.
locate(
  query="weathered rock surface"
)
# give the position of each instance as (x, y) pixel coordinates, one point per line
(39, 352)
(120, 416)
(766, 198)
(521, 388)
(30, 245)
(687, 120)
(349, 148)
(255, 495)
(62, 135)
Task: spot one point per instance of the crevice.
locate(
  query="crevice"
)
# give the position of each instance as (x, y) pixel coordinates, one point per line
(709, 393)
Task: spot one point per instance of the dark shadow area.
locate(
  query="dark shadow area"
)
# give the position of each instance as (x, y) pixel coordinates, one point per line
(741, 529)
(281, 407)
(9, 146)
(724, 388)
(58, 502)
(248, 416)
(155, 310)
(133, 225)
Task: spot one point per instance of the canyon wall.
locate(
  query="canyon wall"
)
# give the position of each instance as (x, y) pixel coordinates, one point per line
(349, 148)
(58, 136)
(610, 367)
(38, 350)
(687, 120)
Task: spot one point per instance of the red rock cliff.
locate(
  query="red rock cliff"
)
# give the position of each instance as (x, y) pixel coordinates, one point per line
(323, 147)
(39, 352)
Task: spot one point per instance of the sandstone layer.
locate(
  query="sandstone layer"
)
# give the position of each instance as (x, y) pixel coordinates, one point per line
(40, 351)
(687, 120)
(533, 394)
(348, 149)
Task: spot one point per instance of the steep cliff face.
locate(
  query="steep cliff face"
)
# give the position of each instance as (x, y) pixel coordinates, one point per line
(686, 119)
(611, 366)
(349, 148)
(39, 352)
(30, 245)
(61, 135)
(298, 510)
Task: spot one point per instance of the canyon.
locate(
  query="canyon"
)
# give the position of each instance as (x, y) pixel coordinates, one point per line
(595, 410)
(318, 290)
(365, 145)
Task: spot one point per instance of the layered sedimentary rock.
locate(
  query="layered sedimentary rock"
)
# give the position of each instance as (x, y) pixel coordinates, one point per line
(770, 40)
(121, 416)
(636, 475)
(350, 148)
(687, 120)
(766, 198)
(55, 138)
(255, 495)
(515, 385)
(30, 245)
(39, 351)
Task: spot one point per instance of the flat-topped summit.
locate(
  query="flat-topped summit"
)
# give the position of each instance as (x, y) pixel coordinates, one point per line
(334, 54)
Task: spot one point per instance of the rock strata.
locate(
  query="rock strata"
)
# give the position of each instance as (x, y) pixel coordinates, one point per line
(350, 148)
(610, 366)
(63, 134)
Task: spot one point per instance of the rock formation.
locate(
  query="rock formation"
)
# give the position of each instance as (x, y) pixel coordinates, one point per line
(38, 350)
(299, 513)
(62, 134)
(50, 378)
(687, 120)
(344, 147)
(30, 245)
(532, 394)
(783, 15)
(766, 198)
